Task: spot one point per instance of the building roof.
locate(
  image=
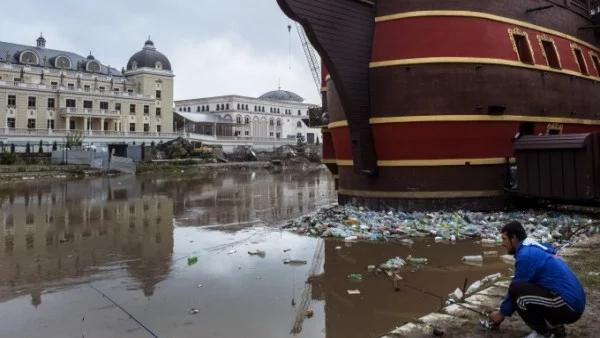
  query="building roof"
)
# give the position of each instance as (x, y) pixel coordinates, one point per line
(46, 57)
(147, 58)
(281, 95)
(202, 118)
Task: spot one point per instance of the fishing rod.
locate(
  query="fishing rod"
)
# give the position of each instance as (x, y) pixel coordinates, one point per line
(122, 309)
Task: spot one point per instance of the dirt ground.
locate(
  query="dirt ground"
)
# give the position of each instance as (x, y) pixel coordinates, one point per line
(584, 259)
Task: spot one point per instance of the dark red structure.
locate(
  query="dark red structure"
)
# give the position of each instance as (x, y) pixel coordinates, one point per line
(425, 97)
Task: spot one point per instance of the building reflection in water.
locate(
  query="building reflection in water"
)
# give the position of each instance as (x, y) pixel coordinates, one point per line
(241, 199)
(55, 235)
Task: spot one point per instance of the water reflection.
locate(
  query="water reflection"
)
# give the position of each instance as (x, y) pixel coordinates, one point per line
(56, 234)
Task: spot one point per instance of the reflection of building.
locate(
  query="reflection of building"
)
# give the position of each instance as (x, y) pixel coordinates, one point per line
(48, 92)
(276, 115)
(65, 231)
(223, 198)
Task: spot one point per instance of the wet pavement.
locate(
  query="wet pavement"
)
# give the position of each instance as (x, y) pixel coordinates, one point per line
(131, 239)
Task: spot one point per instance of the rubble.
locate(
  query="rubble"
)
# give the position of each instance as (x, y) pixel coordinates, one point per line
(352, 223)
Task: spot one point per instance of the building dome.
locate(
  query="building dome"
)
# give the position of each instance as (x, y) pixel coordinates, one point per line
(149, 57)
(281, 95)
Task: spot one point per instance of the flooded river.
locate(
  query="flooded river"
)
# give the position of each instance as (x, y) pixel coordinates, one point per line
(62, 244)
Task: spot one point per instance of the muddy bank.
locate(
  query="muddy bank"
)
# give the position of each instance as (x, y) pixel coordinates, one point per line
(20, 173)
(456, 321)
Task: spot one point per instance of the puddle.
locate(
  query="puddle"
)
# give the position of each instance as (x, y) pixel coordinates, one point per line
(131, 239)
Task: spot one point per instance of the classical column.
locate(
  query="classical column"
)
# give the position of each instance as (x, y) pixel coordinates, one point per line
(102, 124)
(85, 123)
(68, 121)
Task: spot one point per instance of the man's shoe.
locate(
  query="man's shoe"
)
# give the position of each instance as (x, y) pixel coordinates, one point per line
(559, 331)
(534, 334)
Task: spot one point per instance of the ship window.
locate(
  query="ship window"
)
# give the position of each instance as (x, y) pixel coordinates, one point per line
(550, 52)
(580, 60)
(596, 62)
(522, 48)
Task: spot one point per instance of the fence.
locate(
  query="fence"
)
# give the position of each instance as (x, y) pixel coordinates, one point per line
(96, 160)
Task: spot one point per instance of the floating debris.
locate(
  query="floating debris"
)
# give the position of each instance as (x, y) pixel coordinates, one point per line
(192, 260)
(193, 311)
(294, 262)
(353, 292)
(351, 223)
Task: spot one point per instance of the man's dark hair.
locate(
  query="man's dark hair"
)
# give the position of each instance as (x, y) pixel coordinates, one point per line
(514, 229)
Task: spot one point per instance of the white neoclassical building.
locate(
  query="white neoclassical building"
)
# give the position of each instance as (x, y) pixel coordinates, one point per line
(46, 93)
(278, 114)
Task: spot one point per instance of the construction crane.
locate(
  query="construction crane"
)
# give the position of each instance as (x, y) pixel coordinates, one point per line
(313, 62)
(305, 298)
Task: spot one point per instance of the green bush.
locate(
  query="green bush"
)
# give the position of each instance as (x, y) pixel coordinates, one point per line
(8, 158)
(40, 149)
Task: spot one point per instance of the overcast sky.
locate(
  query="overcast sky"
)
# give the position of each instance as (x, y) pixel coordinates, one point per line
(215, 47)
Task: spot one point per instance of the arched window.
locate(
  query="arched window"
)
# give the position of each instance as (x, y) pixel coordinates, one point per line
(217, 107)
(198, 109)
(299, 124)
(180, 109)
(263, 109)
(227, 106)
(238, 119)
(189, 109)
(202, 108)
(299, 112)
(207, 108)
(278, 111)
(246, 107)
(271, 122)
(238, 106)
(278, 122)
(247, 120)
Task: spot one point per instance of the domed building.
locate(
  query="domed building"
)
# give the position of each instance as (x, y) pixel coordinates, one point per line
(51, 92)
(279, 115)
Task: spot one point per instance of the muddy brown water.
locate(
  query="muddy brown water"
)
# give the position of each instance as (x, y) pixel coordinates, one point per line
(131, 238)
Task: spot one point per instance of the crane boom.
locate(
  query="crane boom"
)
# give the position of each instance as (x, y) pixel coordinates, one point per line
(313, 63)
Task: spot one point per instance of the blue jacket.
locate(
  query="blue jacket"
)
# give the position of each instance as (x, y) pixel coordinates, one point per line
(537, 264)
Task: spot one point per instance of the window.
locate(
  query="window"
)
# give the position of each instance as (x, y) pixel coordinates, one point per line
(595, 62)
(227, 106)
(579, 59)
(238, 106)
(54, 85)
(70, 86)
(217, 107)
(86, 88)
(521, 45)
(12, 100)
(180, 109)
(197, 109)
(299, 124)
(271, 134)
(158, 94)
(157, 111)
(102, 89)
(31, 123)
(132, 127)
(238, 120)
(247, 120)
(246, 133)
(549, 51)
(70, 103)
(271, 122)
(117, 106)
(50, 102)
(31, 102)
(246, 107)
(104, 105)
(299, 112)
(146, 127)
(146, 109)
(87, 104)
(188, 109)
(132, 108)
(158, 128)
(10, 122)
(202, 108)
(50, 124)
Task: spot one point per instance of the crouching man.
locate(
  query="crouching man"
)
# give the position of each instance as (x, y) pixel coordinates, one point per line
(544, 291)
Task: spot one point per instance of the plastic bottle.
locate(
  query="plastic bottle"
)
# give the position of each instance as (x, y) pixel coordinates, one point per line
(473, 287)
(477, 258)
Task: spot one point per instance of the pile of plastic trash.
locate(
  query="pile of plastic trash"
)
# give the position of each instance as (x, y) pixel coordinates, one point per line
(352, 223)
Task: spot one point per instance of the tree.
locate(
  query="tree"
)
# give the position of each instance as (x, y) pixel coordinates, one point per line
(12, 148)
(143, 151)
(75, 139)
(28, 149)
(54, 146)
(40, 149)
(152, 144)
